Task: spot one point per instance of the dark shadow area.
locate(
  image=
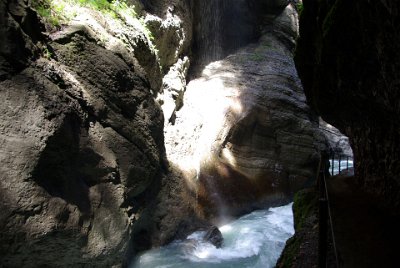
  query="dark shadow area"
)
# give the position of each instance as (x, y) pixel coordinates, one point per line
(348, 59)
(58, 168)
(366, 233)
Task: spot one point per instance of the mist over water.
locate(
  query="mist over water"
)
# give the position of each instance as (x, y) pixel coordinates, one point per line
(254, 240)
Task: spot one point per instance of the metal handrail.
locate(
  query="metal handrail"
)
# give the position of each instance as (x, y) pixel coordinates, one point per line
(325, 205)
(340, 157)
(330, 221)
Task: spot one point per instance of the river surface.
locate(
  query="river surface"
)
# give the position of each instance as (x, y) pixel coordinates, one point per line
(253, 240)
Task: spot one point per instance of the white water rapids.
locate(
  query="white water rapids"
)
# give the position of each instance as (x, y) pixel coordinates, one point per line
(254, 240)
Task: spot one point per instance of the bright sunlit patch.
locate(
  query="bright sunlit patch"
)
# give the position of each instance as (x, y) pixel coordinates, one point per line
(146, 258)
(228, 156)
(202, 254)
(226, 228)
(236, 106)
(245, 230)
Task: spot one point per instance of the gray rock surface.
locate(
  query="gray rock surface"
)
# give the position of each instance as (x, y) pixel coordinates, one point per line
(82, 149)
(171, 25)
(174, 86)
(245, 135)
(169, 38)
(214, 236)
(84, 177)
(338, 143)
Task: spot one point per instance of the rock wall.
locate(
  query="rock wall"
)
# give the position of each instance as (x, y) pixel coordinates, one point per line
(348, 60)
(338, 143)
(85, 178)
(245, 135)
(220, 27)
(83, 172)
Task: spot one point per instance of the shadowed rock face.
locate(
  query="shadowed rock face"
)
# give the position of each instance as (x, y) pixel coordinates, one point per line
(348, 58)
(82, 149)
(245, 133)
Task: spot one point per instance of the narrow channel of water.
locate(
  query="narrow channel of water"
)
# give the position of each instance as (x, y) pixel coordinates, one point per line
(254, 240)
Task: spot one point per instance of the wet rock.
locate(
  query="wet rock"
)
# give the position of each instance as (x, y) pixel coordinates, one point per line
(301, 250)
(214, 236)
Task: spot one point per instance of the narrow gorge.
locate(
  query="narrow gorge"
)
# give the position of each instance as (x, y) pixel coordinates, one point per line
(182, 127)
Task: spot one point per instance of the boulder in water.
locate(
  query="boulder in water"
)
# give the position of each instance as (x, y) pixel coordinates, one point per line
(214, 236)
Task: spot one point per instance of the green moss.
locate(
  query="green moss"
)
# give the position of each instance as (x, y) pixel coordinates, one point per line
(266, 44)
(147, 31)
(46, 53)
(96, 4)
(299, 8)
(62, 11)
(304, 203)
(290, 253)
(304, 208)
(256, 57)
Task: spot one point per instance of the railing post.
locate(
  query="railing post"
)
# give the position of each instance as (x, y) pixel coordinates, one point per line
(340, 159)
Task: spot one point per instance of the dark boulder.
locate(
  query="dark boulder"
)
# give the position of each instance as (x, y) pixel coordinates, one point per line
(214, 236)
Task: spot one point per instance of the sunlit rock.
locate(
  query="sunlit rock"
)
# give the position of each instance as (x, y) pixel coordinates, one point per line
(174, 86)
(245, 134)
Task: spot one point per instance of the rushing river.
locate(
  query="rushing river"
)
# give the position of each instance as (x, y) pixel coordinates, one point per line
(254, 240)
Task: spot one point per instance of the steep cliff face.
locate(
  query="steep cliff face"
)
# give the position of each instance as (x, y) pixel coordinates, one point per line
(85, 178)
(348, 58)
(221, 26)
(82, 155)
(338, 143)
(245, 135)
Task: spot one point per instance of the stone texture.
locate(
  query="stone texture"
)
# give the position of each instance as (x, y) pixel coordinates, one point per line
(301, 250)
(174, 86)
(171, 25)
(16, 47)
(245, 134)
(348, 59)
(214, 236)
(169, 38)
(82, 149)
(338, 143)
(171, 216)
(220, 27)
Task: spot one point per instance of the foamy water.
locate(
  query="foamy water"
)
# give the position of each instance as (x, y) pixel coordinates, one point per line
(254, 240)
